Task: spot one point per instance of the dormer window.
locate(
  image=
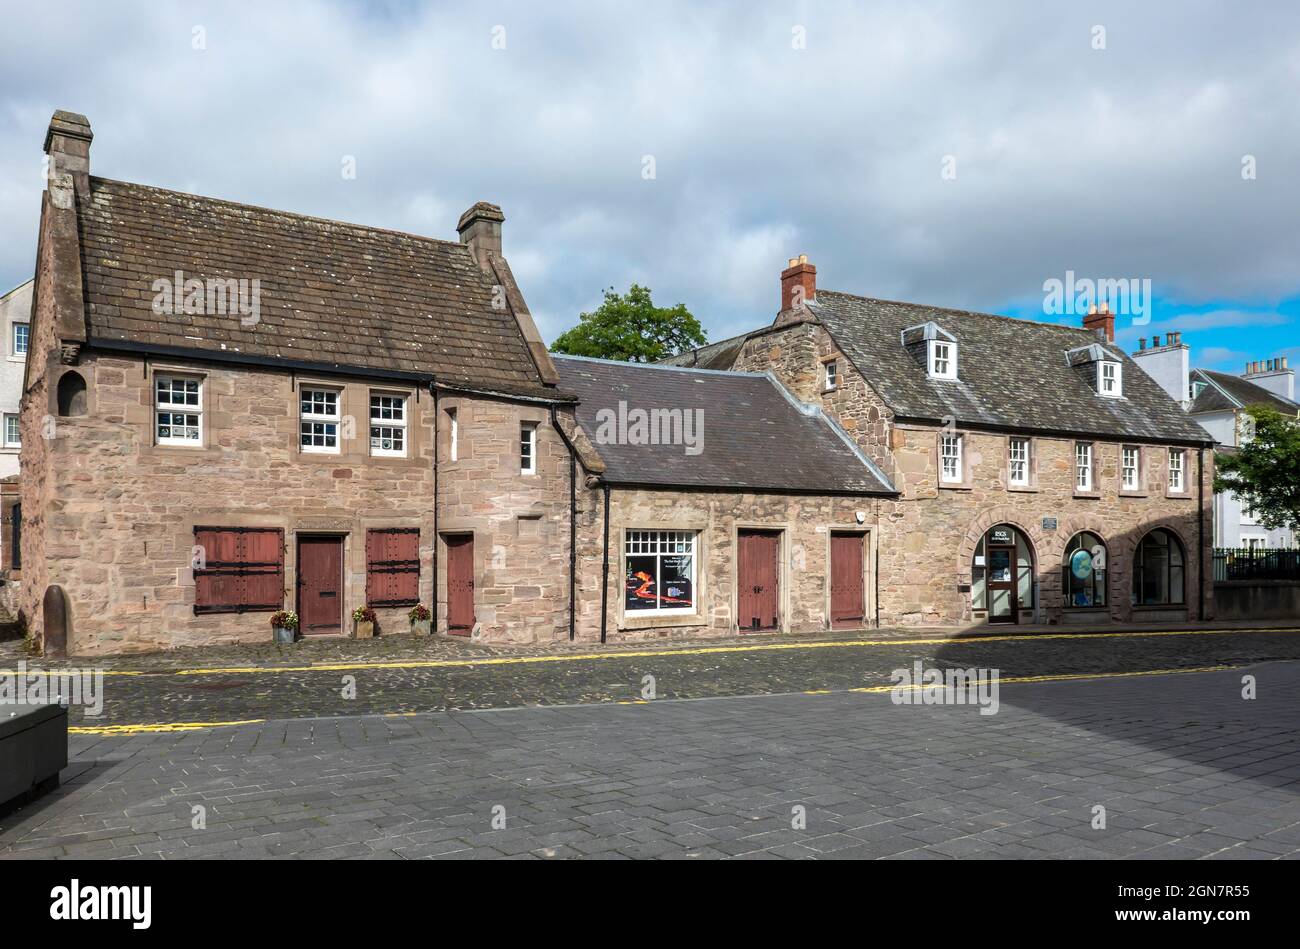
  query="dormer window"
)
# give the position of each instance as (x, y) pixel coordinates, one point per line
(943, 359)
(1110, 379)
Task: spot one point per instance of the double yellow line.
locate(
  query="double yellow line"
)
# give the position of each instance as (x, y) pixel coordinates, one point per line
(121, 730)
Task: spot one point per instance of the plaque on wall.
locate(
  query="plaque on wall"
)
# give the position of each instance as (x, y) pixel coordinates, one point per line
(1049, 523)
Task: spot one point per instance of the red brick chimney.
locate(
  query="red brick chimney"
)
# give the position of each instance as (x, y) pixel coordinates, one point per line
(1101, 319)
(798, 283)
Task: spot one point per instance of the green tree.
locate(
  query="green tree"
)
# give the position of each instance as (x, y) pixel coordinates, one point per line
(630, 328)
(1265, 471)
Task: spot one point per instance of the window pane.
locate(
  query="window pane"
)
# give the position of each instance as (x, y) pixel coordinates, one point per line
(642, 583)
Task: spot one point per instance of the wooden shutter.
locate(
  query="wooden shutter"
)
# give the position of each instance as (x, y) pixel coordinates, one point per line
(393, 566)
(243, 569)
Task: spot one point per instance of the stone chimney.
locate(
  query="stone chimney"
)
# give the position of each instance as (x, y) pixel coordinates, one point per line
(1273, 375)
(798, 286)
(67, 142)
(1169, 365)
(480, 229)
(1101, 319)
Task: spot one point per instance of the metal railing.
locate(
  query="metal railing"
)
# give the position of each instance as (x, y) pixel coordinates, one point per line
(1256, 563)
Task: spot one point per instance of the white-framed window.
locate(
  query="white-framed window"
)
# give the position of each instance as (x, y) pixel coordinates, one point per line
(21, 337)
(950, 458)
(1018, 461)
(318, 420)
(1177, 473)
(659, 572)
(388, 424)
(178, 415)
(832, 374)
(453, 435)
(1110, 379)
(1083, 466)
(13, 438)
(1131, 468)
(528, 448)
(943, 359)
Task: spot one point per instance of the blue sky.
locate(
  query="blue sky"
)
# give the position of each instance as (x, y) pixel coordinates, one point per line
(775, 129)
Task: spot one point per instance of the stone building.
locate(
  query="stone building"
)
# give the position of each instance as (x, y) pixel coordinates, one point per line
(1217, 401)
(1041, 477)
(229, 410)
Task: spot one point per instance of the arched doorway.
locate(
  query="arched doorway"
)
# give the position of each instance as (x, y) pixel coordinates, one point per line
(1084, 572)
(1002, 574)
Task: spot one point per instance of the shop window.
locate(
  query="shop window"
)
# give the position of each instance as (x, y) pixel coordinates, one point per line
(1158, 570)
(1083, 571)
(659, 572)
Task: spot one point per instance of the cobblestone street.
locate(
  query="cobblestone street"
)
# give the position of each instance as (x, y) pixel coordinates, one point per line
(1182, 764)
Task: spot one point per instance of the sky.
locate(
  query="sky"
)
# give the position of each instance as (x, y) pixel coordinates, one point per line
(954, 154)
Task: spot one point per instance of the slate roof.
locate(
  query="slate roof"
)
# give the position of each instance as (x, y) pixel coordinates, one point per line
(1227, 392)
(331, 294)
(754, 435)
(1012, 374)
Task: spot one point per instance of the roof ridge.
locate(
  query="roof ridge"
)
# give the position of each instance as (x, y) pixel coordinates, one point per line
(949, 309)
(334, 222)
(658, 365)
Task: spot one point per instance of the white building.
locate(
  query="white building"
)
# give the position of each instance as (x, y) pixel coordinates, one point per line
(1217, 400)
(15, 320)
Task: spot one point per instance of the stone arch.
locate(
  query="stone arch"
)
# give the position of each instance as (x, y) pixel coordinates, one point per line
(980, 526)
(71, 399)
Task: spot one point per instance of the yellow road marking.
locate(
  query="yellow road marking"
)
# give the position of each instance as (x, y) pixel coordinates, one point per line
(1066, 677)
(191, 726)
(703, 651)
(159, 727)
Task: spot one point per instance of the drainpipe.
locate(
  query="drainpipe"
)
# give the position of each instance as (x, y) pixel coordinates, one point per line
(573, 518)
(433, 391)
(604, 572)
(1200, 532)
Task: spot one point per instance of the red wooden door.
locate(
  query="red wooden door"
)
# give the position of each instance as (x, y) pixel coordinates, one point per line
(460, 583)
(320, 584)
(848, 590)
(756, 579)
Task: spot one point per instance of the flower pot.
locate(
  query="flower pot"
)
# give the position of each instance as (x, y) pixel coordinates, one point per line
(282, 635)
(421, 627)
(363, 630)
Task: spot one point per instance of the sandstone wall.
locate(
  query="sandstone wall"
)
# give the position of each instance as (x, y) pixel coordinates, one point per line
(805, 523)
(120, 510)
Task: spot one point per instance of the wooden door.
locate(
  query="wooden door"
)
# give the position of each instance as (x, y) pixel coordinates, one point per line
(757, 580)
(460, 583)
(848, 587)
(320, 584)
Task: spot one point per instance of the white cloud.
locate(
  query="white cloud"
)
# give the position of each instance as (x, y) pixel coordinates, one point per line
(1122, 162)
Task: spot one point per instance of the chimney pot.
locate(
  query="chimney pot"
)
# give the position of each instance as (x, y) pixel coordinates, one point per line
(480, 230)
(1142, 343)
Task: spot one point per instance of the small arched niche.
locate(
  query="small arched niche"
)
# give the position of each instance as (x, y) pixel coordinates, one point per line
(72, 395)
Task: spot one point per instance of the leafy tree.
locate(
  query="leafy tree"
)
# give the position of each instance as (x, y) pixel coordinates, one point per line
(1264, 473)
(630, 328)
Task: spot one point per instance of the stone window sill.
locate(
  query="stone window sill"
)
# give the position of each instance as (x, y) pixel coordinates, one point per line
(1134, 494)
(1024, 488)
(659, 622)
(1178, 495)
(1088, 495)
(956, 486)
